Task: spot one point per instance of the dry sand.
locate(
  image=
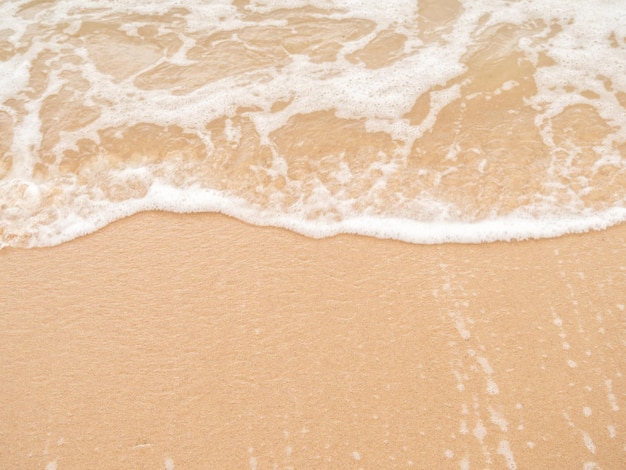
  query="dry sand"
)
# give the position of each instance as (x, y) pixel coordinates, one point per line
(200, 342)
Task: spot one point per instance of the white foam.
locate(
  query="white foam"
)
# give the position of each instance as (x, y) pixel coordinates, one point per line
(612, 432)
(610, 395)
(504, 449)
(492, 387)
(589, 444)
(591, 466)
(379, 97)
(164, 197)
(498, 419)
(480, 432)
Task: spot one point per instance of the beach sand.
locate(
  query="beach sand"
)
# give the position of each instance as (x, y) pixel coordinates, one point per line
(199, 342)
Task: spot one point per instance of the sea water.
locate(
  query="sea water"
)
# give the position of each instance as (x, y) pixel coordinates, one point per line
(426, 121)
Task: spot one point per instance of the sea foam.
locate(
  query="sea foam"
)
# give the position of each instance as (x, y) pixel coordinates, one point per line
(424, 122)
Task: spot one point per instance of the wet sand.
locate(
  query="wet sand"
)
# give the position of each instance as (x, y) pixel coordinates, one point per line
(197, 341)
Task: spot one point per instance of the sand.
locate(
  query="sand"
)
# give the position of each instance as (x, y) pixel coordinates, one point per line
(197, 342)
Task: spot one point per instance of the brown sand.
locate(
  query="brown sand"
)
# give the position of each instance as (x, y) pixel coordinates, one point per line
(199, 342)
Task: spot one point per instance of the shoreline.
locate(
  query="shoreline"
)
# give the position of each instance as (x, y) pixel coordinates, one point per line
(195, 340)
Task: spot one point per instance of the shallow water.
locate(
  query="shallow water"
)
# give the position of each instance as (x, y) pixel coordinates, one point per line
(427, 121)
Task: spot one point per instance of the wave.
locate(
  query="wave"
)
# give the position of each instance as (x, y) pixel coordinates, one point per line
(428, 122)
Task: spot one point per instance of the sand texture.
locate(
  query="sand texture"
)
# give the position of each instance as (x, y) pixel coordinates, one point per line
(199, 342)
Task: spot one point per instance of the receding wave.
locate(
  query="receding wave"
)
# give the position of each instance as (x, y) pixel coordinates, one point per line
(425, 121)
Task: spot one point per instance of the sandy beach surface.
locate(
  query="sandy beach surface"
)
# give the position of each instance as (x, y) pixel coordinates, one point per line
(199, 342)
